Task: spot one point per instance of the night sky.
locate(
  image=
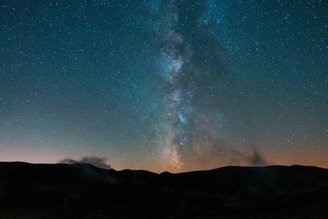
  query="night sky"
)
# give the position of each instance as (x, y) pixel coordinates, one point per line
(164, 84)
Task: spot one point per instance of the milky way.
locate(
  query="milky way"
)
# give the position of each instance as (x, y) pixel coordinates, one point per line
(177, 102)
(191, 132)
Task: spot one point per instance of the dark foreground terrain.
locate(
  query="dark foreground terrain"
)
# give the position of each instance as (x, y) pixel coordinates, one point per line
(84, 191)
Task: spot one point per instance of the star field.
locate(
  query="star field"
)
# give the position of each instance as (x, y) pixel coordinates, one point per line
(165, 84)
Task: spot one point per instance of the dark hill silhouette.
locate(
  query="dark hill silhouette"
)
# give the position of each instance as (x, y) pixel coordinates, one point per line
(85, 191)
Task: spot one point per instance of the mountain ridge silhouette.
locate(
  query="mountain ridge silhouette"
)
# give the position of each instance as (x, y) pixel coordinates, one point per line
(85, 191)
